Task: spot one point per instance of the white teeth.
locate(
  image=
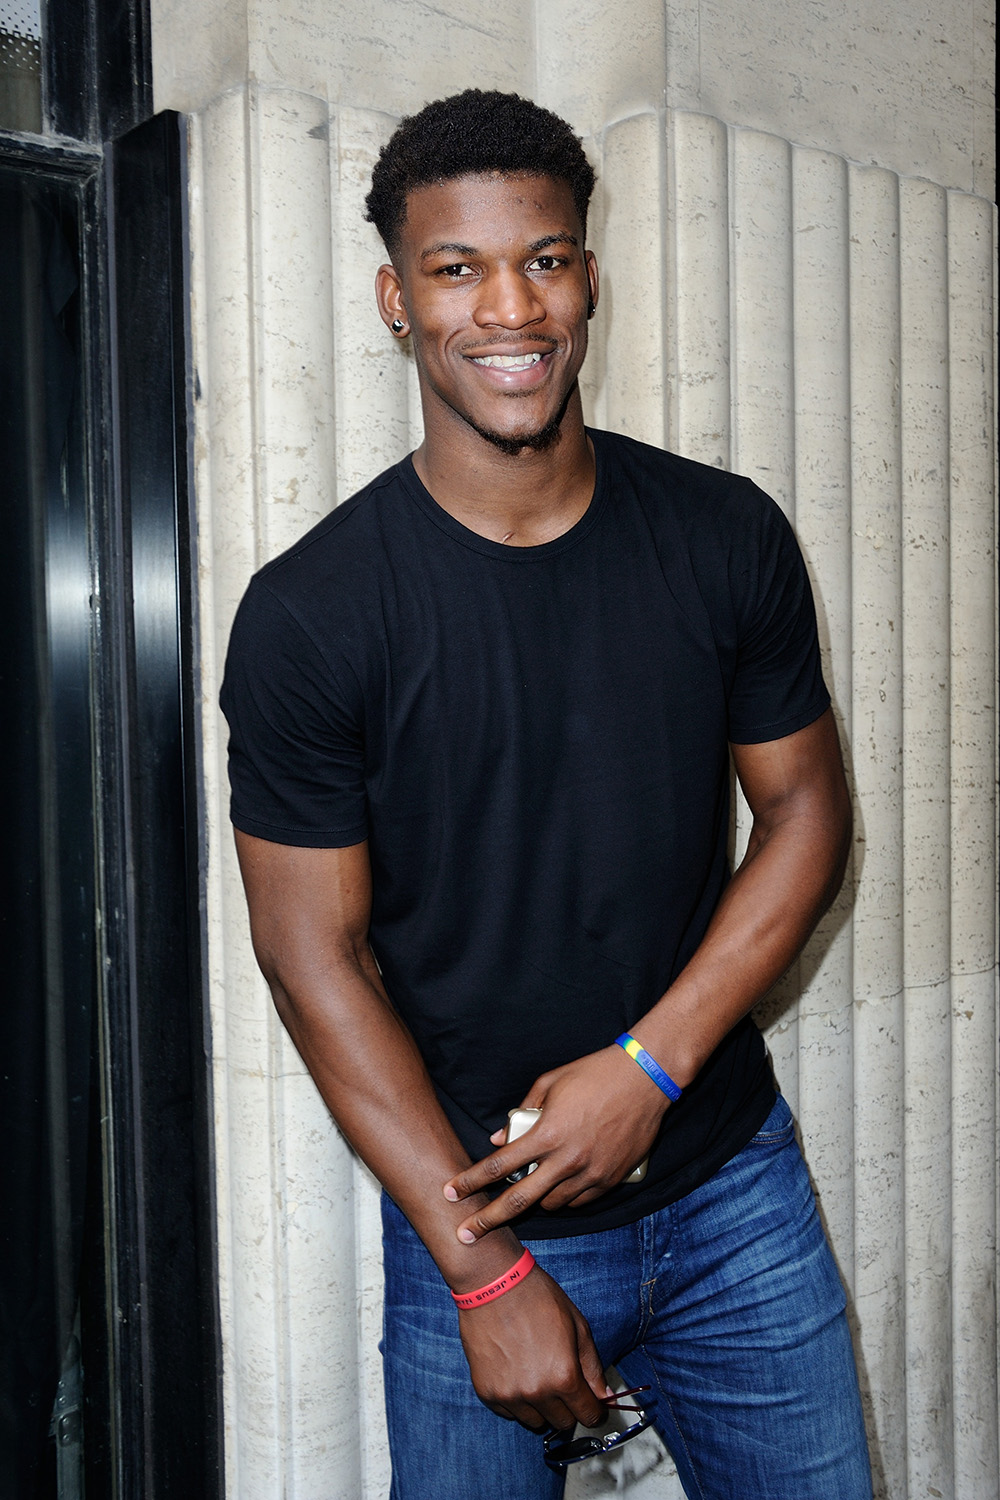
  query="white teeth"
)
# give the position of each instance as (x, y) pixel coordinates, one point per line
(508, 361)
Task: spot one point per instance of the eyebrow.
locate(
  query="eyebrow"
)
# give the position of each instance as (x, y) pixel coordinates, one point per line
(451, 247)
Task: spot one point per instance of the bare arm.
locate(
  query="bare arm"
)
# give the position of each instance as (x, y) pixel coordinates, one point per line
(530, 1351)
(601, 1112)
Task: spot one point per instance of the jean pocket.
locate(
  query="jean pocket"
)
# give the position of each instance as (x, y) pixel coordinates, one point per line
(779, 1125)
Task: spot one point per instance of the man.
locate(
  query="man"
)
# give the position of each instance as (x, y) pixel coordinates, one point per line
(481, 720)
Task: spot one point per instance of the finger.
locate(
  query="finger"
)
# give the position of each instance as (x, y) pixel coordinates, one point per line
(491, 1170)
(570, 1190)
(517, 1200)
(501, 1210)
(554, 1413)
(536, 1095)
(501, 1411)
(590, 1364)
(587, 1196)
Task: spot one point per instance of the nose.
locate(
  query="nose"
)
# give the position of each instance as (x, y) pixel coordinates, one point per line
(508, 299)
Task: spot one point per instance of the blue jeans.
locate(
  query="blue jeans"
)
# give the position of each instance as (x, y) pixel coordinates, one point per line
(727, 1303)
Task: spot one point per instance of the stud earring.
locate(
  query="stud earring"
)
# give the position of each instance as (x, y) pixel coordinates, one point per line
(397, 325)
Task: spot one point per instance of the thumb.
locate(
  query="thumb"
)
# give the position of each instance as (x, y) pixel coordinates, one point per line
(536, 1095)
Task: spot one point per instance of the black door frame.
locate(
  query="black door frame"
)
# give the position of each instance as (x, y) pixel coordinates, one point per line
(153, 1426)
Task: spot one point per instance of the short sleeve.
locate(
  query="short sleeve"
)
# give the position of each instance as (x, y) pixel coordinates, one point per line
(296, 746)
(778, 684)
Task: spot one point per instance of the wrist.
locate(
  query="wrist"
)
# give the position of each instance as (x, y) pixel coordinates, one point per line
(498, 1287)
(466, 1268)
(654, 1071)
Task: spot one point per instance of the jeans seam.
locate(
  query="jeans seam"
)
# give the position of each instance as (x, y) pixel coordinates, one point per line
(665, 1397)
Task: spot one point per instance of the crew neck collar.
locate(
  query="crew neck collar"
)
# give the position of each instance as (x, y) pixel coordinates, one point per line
(447, 523)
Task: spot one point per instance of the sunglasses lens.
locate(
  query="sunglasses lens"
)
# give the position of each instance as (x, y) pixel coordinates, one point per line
(562, 1448)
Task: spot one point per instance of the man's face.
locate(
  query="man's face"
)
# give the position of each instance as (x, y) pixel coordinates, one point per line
(493, 281)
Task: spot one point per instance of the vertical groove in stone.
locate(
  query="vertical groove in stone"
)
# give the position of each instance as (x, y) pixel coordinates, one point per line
(822, 448)
(221, 326)
(763, 426)
(698, 329)
(877, 747)
(971, 242)
(371, 365)
(926, 820)
(593, 376)
(632, 299)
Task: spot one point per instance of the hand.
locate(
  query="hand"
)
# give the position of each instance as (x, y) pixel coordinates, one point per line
(532, 1357)
(601, 1115)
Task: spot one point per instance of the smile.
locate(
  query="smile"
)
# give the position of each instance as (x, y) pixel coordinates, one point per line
(507, 361)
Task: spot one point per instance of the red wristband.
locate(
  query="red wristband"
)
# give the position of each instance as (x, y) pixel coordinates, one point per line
(517, 1272)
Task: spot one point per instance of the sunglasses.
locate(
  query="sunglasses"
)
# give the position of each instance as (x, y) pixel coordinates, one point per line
(562, 1448)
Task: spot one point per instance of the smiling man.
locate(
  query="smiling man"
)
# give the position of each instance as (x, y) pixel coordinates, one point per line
(481, 724)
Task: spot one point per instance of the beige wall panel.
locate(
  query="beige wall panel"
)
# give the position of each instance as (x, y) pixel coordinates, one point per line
(878, 973)
(372, 376)
(763, 395)
(763, 441)
(974, 1242)
(366, 52)
(972, 303)
(698, 320)
(292, 327)
(597, 63)
(199, 50)
(220, 318)
(363, 54)
(262, 328)
(632, 295)
(905, 85)
(926, 830)
(822, 480)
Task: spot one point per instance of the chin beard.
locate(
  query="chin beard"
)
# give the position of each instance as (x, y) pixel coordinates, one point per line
(534, 442)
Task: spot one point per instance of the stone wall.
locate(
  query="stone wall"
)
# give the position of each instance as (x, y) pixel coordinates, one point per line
(798, 283)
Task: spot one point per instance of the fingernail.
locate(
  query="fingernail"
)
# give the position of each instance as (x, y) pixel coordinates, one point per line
(467, 1237)
(451, 1194)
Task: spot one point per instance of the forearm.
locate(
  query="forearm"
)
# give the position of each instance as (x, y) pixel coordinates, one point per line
(368, 1069)
(791, 873)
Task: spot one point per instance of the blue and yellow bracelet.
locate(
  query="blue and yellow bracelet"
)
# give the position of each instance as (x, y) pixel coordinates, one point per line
(638, 1053)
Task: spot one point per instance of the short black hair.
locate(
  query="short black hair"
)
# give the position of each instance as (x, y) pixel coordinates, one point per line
(477, 131)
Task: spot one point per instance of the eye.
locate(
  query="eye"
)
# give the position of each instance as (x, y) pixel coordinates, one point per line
(457, 272)
(546, 263)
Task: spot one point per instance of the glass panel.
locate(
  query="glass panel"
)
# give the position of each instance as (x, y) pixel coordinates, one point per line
(21, 65)
(48, 1119)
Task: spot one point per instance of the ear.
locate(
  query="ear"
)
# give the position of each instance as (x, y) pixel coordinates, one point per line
(594, 279)
(389, 296)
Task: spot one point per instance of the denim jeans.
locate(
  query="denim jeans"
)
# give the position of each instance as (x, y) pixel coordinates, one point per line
(727, 1303)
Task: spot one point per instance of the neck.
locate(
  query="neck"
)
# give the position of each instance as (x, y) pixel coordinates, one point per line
(522, 499)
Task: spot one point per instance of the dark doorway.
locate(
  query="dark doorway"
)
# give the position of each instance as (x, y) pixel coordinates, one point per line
(47, 1021)
(110, 1371)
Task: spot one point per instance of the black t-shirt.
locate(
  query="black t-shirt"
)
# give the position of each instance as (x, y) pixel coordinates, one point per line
(534, 742)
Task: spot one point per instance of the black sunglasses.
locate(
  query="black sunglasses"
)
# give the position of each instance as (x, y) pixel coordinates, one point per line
(562, 1448)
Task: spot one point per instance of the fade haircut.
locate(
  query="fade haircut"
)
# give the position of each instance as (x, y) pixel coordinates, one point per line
(477, 131)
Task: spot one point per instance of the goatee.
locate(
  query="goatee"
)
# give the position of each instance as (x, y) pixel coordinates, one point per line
(535, 442)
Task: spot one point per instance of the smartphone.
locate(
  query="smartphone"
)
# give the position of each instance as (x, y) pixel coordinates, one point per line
(520, 1121)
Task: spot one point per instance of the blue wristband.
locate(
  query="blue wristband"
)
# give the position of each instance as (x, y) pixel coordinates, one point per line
(638, 1053)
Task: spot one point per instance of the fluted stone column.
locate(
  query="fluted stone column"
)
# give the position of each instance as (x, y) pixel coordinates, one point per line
(821, 325)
